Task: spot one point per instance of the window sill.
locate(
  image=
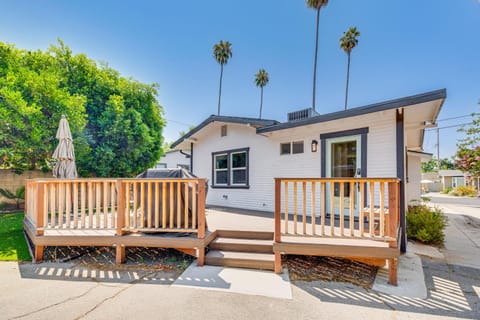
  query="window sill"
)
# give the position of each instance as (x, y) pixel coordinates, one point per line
(230, 187)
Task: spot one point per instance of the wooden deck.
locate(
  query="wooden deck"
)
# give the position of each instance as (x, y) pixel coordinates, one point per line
(351, 218)
(166, 213)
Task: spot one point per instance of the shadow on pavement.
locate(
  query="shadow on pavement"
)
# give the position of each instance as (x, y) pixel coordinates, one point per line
(75, 272)
(452, 291)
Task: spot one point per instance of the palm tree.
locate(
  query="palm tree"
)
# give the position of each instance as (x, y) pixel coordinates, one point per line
(222, 51)
(347, 42)
(317, 5)
(261, 80)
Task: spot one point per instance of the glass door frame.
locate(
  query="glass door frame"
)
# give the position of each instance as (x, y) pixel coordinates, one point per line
(359, 135)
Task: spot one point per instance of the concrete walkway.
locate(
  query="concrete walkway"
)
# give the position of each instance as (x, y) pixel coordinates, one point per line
(462, 235)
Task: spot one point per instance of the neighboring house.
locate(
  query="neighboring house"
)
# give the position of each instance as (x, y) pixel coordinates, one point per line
(174, 159)
(451, 178)
(433, 183)
(242, 156)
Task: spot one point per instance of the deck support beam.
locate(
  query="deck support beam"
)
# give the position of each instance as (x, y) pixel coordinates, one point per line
(38, 254)
(201, 257)
(120, 254)
(392, 272)
(278, 262)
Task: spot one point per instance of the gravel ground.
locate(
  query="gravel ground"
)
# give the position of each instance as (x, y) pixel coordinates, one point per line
(307, 268)
(137, 258)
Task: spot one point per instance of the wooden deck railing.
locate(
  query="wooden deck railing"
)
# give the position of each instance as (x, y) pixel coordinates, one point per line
(119, 205)
(357, 208)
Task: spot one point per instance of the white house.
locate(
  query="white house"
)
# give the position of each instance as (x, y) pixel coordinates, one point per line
(242, 156)
(174, 159)
(452, 178)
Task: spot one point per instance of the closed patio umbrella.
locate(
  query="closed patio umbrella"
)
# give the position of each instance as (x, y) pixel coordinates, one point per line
(64, 153)
(426, 181)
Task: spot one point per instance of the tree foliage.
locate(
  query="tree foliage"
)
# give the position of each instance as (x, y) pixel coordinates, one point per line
(261, 80)
(348, 41)
(468, 151)
(432, 165)
(116, 122)
(317, 5)
(222, 51)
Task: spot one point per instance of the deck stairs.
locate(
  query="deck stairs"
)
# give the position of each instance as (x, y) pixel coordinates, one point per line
(242, 249)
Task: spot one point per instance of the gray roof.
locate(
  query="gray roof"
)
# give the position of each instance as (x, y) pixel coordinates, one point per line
(386, 105)
(273, 125)
(450, 173)
(258, 123)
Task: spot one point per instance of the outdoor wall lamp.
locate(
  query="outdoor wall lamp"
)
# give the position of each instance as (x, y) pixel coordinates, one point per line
(314, 146)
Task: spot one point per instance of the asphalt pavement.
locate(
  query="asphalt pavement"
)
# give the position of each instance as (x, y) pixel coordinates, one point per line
(452, 278)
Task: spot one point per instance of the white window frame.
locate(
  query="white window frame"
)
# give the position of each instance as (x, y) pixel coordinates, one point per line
(215, 170)
(298, 142)
(238, 168)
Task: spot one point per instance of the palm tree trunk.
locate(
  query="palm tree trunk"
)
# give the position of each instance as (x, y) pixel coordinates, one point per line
(261, 102)
(315, 61)
(220, 88)
(348, 77)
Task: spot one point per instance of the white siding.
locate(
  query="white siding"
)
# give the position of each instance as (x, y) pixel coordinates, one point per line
(266, 163)
(173, 158)
(413, 190)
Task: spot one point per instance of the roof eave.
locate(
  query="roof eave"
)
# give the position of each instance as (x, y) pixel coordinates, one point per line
(386, 105)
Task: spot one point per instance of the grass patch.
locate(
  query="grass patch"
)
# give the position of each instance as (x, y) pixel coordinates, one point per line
(12, 242)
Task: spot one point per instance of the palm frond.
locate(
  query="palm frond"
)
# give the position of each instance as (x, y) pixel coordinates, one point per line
(7, 193)
(222, 51)
(316, 4)
(261, 78)
(349, 40)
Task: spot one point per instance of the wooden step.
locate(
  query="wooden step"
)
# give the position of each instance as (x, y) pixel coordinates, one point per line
(259, 235)
(249, 260)
(245, 245)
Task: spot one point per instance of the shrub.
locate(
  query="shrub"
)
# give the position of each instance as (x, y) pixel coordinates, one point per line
(447, 190)
(426, 224)
(3, 205)
(18, 196)
(462, 191)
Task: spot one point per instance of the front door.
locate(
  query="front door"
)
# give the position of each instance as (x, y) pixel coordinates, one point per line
(343, 160)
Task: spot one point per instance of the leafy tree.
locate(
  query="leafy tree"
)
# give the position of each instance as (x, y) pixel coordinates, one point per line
(432, 165)
(116, 122)
(31, 104)
(348, 41)
(183, 132)
(468, 152)
(317, 5)
(222, 51)
(261, 80)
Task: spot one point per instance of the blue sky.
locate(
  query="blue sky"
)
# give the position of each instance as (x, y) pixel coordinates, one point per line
(406, 47)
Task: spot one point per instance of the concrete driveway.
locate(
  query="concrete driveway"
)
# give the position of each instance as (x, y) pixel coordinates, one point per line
(29, 291)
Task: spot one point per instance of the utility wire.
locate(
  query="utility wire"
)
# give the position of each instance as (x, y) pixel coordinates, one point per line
(178, 122)
(452, 126)
(458, 117)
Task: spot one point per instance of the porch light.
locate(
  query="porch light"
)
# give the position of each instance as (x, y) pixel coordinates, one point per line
(314, 146)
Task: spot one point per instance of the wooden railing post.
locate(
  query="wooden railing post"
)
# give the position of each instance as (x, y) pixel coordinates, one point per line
(120, 254)
(201, 208)
(40, 207)
(25, 199)
(39, 219)
(393, 210)
(277, 217)
(121, 204)
(201, 218)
